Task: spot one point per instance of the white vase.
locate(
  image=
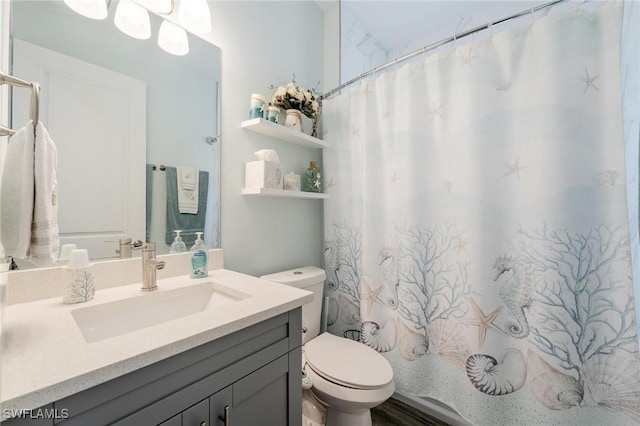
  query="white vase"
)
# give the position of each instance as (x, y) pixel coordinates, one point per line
(293, 119)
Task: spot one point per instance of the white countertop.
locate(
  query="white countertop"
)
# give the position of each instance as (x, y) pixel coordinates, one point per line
(45, 357)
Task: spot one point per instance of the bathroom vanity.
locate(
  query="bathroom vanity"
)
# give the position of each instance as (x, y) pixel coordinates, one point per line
(234, 363)
(250, 377)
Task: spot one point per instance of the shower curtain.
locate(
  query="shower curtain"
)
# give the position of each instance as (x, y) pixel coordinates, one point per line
(477, 232)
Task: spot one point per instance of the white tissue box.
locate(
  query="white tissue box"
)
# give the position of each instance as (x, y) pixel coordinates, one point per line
(262, 174)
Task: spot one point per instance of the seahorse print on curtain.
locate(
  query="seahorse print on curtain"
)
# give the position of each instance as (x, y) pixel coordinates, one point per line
(516, 292)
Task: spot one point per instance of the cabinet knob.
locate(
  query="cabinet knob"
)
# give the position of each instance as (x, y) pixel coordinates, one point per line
(305, 329)
(227, 416)
(203, 423)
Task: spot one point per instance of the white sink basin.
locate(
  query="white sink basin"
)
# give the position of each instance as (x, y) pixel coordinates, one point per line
(124, 316)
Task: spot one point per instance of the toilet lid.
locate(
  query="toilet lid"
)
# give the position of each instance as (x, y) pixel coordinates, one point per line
(347, 362)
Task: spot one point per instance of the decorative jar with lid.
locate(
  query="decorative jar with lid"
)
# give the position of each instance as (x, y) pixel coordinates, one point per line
(312, 176)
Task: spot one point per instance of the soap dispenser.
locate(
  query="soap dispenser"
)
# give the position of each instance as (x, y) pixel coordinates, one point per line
(178, 246)
(199, 257)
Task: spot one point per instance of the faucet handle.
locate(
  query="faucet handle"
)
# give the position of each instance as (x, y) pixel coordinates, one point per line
(139, 245)
(124, 246)
(149, 247)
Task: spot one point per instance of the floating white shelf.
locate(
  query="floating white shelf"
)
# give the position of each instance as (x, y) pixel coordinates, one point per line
(260, 125)
(270, 192)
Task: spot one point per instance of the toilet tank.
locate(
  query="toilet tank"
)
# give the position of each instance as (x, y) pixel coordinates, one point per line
(311, 279)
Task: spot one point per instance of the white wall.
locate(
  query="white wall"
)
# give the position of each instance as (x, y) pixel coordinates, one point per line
(332, 37)
(361, 50)
(263, 43)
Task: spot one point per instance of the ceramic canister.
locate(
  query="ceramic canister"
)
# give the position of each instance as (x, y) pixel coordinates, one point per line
(273, 114)
(257, 106)
(79, 286)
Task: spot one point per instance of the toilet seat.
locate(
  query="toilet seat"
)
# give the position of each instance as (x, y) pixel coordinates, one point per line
(347, 363)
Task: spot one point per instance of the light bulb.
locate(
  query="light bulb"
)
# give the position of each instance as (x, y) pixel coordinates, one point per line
(173, 39)
(94, 9)
(195, 16)
(133, 20)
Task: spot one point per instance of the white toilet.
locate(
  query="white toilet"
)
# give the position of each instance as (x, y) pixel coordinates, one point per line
(348, 377)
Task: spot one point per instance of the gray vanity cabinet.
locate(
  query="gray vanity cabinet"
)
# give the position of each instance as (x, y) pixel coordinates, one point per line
(248, 378)
(257, 399)
(173, 421)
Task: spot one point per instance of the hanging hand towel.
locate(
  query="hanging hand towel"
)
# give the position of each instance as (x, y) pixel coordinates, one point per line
(188, 223)
(45, 241)
(187, 177)
(16, 194)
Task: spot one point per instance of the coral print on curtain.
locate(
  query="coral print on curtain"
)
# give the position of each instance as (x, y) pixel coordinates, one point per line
(477, 229)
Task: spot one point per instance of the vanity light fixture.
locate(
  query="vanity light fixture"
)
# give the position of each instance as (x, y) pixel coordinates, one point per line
(173, 39)
(132, 19)
(159, 6)
(94, 9)
(195, 16)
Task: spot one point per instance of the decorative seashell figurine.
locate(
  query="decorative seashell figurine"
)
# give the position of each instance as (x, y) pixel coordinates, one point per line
(292, 182)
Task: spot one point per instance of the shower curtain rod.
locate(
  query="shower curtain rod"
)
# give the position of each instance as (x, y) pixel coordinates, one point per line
(437, 44)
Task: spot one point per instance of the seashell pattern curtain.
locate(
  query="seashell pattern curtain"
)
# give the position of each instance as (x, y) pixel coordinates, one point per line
(477, 232)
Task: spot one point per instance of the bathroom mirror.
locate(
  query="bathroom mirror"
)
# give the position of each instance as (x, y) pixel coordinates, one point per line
(115, 106)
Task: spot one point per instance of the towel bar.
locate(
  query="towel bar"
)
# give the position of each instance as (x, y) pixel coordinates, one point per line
(35, 99)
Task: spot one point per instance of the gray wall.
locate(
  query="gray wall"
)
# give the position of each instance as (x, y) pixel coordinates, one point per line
(263, 43)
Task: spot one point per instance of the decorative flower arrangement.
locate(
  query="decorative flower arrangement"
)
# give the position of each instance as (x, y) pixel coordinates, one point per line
(293, 96)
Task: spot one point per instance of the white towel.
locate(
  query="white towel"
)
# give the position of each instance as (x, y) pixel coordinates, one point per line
(187, 178)
(45, 241)
(187, 198)
(16, 194)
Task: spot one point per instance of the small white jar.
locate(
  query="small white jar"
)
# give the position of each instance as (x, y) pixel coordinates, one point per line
(273, 114)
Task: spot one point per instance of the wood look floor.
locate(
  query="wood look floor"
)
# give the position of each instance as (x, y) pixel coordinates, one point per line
(395, 413)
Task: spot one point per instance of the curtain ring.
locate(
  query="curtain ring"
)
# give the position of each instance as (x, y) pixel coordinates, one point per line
(533, 20)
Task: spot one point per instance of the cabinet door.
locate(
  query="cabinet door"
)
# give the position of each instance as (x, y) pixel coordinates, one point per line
(261, 398)
(220, 407)
(173, 421)
(198, 415)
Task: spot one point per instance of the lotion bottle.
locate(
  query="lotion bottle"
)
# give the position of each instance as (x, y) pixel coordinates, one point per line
(199, 258)
(178, 246)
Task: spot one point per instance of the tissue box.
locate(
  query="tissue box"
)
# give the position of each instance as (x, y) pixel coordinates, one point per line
(262, 174)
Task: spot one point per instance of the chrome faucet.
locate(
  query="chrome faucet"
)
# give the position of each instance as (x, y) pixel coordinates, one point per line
(149, 266)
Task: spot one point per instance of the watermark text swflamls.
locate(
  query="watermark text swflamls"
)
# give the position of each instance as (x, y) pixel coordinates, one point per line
(36, 413)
